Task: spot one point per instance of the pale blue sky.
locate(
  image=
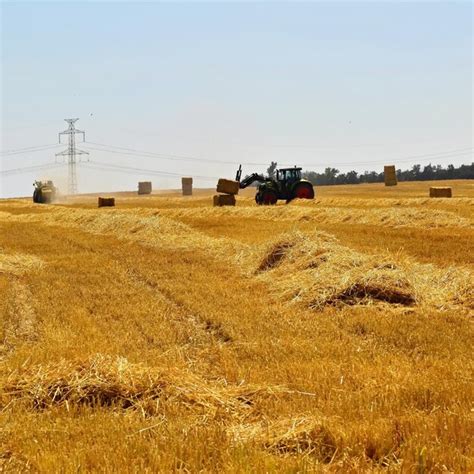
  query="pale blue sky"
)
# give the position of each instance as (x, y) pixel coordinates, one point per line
(316, 84)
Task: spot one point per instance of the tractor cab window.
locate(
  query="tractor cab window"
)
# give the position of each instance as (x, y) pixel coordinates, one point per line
(289, 175)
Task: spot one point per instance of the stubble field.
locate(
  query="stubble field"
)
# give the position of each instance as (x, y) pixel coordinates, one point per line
(165, 334)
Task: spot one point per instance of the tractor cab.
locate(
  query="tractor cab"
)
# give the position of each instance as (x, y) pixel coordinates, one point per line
(286, 178)
(289, 175)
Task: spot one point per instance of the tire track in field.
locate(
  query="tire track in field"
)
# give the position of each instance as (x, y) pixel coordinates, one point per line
(194, 332)
(19, 318)
(202, 328)
(20, 324)
(155, 235)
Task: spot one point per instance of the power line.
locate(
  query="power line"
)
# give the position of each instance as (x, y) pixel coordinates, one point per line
(27, 169)
(130, 169)
(148, 154)
(132, 152)
(140, 153)
(71, 153)
(31, 149)
(217, 161)
(104, 167)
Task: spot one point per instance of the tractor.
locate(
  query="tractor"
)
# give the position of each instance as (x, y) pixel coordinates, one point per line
(287, 185)
(45, 192)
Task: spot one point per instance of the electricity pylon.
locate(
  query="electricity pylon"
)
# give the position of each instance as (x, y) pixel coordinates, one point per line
(71, 152)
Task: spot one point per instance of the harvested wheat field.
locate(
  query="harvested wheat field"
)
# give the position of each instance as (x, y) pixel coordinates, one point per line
(165, 334)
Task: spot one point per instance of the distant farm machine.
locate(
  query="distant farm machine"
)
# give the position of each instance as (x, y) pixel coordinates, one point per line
(287, 184)
(44, 192)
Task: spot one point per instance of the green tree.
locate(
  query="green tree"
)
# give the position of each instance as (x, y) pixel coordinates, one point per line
(272, 169)
(330, 175)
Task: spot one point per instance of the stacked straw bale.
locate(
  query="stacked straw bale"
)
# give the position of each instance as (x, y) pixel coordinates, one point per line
(106, 202)
(390, 175)
(441, 192)
(227, 188)
(144, 187)
(187, 186)
(224, 200)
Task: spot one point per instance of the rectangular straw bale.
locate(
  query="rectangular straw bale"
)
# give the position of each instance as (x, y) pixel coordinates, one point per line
(144, 187)
(187, 186)
(106, 202)
(227, 186)
(224, 200)
(444, 192)
(390, 175)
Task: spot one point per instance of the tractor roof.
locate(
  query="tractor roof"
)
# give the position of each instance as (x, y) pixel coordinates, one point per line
(289, 169)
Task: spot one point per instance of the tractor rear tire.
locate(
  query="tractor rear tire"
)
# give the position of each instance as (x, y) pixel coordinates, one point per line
(303, 191)
(268, 198)
(35, 196)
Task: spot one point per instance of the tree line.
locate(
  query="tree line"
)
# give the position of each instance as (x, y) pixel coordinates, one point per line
(416, 173)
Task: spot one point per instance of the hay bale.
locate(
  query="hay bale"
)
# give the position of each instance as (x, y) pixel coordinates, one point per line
(227, 186)
(144, 187)
(390, 175)
(441, 192)
(224, 200)
(187, 186)
(106, 202)
(187, 190)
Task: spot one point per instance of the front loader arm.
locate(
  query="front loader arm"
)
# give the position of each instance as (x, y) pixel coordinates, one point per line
(248, 180)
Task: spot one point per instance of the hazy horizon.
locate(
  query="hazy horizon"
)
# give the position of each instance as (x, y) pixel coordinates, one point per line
(349, 85)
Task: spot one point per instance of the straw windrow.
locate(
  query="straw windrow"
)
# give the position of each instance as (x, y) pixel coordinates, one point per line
(17, 264)
(115, 382)
(317, 271)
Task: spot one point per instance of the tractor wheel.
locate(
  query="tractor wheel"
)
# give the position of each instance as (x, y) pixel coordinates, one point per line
(303, 191)
(258, 198)
(268, 198)
(35, 196)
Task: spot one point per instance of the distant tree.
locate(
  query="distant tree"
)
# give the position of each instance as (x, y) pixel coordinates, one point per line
(272, 169)
(312, 176)
(450, 172)
(351, 177)
(415, 172)
(330, 175)
(428, 173)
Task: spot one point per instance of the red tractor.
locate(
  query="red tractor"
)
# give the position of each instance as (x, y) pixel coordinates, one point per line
(287, 185)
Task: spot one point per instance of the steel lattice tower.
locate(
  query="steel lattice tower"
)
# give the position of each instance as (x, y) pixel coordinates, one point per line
(71, 152)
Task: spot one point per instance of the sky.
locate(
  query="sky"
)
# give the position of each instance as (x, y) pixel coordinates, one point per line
(194, 88)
